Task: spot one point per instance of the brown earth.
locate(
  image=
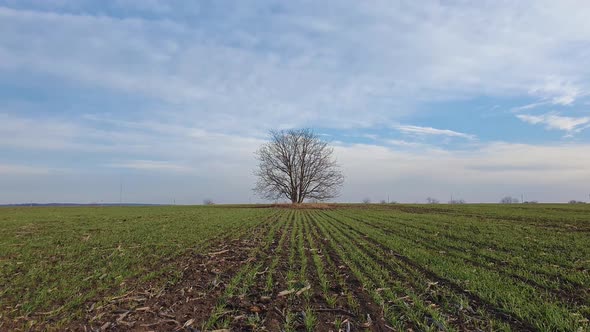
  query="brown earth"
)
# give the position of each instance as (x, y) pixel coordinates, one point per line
(189, 303)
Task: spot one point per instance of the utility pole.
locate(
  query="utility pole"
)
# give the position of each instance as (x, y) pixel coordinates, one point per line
(522, 198)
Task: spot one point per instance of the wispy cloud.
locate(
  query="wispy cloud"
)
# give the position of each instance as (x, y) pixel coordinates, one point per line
(497, 167)
(557, 122)
(558, 91)
(243, 76)
(404, 143)
(200, 86)
(417, 130)
(529, 106)
(151, 165)
(11, 169)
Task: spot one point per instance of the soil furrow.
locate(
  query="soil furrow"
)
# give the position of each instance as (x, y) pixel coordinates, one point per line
(337, 267)
(476, 301)
(577, 297)
(509, 252)
(201, 279)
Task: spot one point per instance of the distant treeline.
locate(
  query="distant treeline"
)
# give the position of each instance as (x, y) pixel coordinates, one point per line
(80, 204)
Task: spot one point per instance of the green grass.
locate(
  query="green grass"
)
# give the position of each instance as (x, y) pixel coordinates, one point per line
(52, 260)
(425, 267)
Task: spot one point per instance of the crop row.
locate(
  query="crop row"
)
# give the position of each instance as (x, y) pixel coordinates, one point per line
(406, 296)
(524, 304)
(562, 282)
(56, 260)
(500, 237)
(239, 286)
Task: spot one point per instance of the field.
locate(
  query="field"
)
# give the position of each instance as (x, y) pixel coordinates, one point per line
(321, 268)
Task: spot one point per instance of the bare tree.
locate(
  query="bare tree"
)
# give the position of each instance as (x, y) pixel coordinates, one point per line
(431, 200)
(366, 200)
(296, 164)
(509, 200)
(457, 201)
(208, 201)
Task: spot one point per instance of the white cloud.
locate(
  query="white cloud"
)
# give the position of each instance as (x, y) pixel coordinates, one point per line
(29, 133)
(558, 91)
(557, 122)
(346, 67)
(151, 165)
(213, 80)
(220, 166)
(528, 106)
(12, 170)
(482, 174)
(403, 143)
(141, 140)
(417, 130)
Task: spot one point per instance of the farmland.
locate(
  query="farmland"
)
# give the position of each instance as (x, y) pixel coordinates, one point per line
(325, 267)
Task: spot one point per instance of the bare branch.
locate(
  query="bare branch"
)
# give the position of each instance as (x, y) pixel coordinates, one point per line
(297, 165)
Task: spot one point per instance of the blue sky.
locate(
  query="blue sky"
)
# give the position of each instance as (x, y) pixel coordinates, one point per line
(171, 98)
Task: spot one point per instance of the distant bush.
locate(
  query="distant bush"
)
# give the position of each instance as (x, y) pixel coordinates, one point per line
(367, 201)
(431, 200)
(573, 201)
(530, 202)
(509, 200)
(457, 201)
(208, 202)
(383, 201)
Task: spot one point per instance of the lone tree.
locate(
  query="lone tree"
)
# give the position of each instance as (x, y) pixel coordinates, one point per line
(431, 200)
(296, 164)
